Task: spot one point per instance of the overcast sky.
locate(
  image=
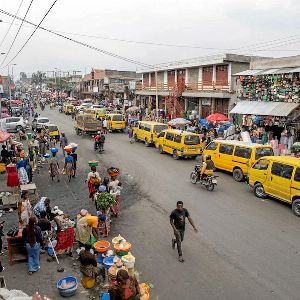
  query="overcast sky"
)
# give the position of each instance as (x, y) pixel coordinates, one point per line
(212, 26)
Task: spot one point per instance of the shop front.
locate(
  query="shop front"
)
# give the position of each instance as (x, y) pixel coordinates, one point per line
(269, 121)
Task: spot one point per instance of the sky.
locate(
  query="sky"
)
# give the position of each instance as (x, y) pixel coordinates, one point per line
(124, 27)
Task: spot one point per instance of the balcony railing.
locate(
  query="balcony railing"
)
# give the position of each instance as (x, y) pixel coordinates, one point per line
(189, 87)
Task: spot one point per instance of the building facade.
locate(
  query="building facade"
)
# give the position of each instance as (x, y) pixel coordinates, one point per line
(206, 85)
(108, 84)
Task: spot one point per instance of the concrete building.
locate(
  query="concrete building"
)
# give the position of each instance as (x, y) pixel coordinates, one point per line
(108, 84)
(208, 83)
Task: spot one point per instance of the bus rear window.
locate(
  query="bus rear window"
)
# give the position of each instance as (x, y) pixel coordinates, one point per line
(117, 118)
(261, 152)
(192, 140)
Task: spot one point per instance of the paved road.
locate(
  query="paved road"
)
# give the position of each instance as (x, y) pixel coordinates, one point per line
(246, 248)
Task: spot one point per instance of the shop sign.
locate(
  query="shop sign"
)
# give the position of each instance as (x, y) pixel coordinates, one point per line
(95, 89)
(206, 102)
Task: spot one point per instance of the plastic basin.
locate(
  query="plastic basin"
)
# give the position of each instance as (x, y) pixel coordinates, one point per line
(70, 291)
(108, 262)
(101, 246)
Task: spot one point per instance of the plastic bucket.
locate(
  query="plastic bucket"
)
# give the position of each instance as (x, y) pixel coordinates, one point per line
(29, 135)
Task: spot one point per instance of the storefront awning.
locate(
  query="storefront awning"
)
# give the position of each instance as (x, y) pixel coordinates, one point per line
(248, 73)
(279, 109)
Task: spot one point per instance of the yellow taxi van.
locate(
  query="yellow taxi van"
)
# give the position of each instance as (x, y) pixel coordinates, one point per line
(179, 143)
(236, 156)
(147, 131)
(279, 177)
(115, 121)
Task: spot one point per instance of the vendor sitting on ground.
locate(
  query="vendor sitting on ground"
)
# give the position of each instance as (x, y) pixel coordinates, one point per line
(88, 264)
(126, 287)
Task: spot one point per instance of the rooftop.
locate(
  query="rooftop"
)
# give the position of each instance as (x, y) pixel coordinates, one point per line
(198, 61)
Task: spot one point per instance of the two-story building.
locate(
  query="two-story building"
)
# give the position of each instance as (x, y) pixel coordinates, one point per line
(107, 84)
(204, 84)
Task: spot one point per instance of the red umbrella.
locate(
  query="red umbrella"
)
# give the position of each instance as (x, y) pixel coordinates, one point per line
(4, 136)
(216, 118)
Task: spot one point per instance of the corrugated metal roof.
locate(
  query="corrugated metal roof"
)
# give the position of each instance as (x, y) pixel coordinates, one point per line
(296, 70)
(247, 73)
(269, 71)
(284, 71)
(280, 109)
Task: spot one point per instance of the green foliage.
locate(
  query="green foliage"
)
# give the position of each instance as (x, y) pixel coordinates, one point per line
(104, 201)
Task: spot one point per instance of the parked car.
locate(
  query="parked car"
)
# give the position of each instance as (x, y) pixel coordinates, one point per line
(16, 124)
(38, 123)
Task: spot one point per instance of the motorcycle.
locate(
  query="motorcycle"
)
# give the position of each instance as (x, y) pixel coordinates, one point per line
(209, 181)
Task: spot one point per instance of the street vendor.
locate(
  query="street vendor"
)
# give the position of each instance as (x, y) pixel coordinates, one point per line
(93, 180)
(125, 288)
(86, 226)
(89, 266)
(43, 205)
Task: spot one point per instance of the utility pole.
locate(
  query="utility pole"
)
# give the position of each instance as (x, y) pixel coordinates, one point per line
(156, 95)
(8, 79)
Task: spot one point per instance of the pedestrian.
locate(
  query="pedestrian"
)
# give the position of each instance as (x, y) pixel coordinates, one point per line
(75, 157)
(101, 142)
(69, 168)
(32, 238)
(116, 192)
(24, 209)
(63, 143)
(93, 180)
(21, 164)
(130, 133)
(177, 220)
(104, 126)
(54, 167)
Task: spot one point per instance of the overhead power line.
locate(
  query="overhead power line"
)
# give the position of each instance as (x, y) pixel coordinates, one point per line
(253, 46)
(16, 34)
(11, 24)
(81, 43)
(37, 26)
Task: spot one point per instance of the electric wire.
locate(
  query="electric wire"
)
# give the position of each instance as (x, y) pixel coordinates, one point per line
(11, 24)
(37, 26)
(16, 34)
(81, 43)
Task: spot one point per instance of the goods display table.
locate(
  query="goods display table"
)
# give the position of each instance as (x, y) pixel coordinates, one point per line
(16, 249)
(30, 188)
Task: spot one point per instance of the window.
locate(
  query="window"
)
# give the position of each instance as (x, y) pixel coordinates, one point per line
(242, 152)
(297, 175)
(147, 127)
(282, 170)
(212, 146)
(162, 134)
(159, 128)
(169, 136)
(192, 140)
(43, 120)
(14, 120)
(117, 118)
(260, 152)
(262, 164)
(226, 149)
(177, 138)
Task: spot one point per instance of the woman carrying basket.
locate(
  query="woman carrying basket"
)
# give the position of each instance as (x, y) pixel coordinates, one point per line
(93, 180)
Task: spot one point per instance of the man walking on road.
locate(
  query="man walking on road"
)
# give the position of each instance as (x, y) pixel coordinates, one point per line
(177, 220)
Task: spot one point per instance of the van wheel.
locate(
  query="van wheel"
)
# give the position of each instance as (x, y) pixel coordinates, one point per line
(147, 144)
(259, 191)
(296, 207)
(160, 149)
(175, 155)
(238, 175)
(135, 138)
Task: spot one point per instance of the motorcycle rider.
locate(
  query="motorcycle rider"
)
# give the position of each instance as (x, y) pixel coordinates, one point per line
(207, 167)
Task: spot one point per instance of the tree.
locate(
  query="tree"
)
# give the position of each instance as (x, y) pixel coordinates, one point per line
(23, 76)
(38, 78)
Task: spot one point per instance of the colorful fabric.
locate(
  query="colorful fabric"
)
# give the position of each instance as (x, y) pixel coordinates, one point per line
(92, 221)
(104, 226)
(69, 168)
(116, 208)
(23, 176)
(65, 240)
(40, 206)
(83, 231)
(54, 169)
(33, 257)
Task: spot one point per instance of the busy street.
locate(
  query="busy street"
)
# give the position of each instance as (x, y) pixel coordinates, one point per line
(149, 150)
(236, 229)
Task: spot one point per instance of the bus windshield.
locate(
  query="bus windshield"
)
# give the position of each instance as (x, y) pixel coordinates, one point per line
(192, 140)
